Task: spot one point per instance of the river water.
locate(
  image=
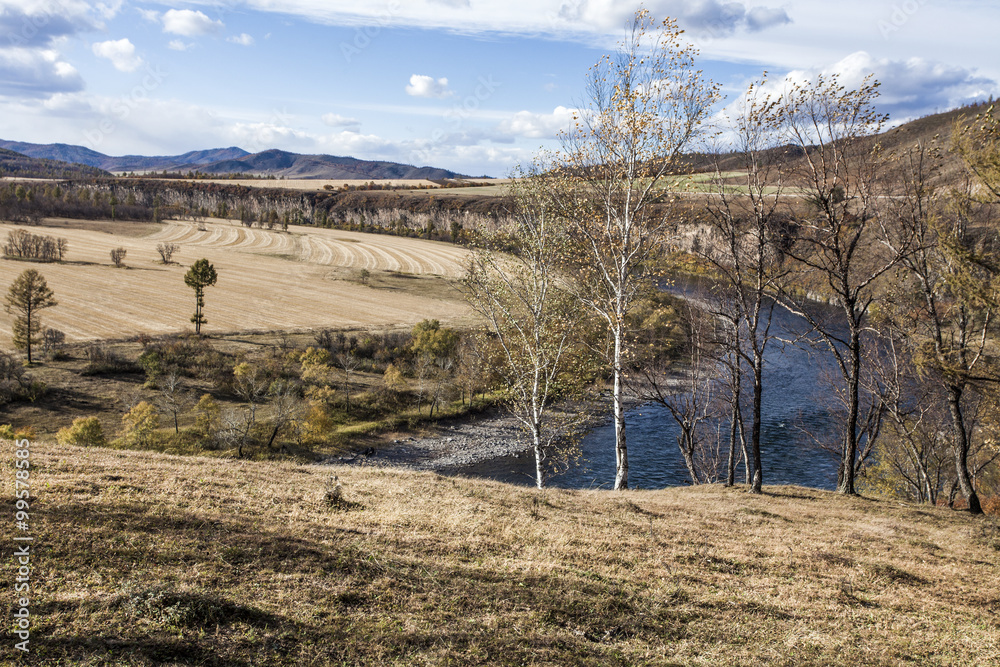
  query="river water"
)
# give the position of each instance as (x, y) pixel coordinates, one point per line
(795, 390)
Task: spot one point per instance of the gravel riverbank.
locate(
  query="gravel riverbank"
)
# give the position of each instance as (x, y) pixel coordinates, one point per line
(468, 441)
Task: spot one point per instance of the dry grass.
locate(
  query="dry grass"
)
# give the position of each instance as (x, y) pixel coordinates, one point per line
(268, 280)
(148, 559)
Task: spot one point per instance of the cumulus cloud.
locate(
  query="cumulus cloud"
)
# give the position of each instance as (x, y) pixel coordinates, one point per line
(27, 25)
(179, 45)
(336, 120)
(537, 125)
(427, 86)
(909, 88)
(189, 23)
(120, 52)
(242, 39)
(36, 73)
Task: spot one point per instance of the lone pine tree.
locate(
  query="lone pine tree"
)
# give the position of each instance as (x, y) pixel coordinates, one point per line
(28, 294)
(201, 275)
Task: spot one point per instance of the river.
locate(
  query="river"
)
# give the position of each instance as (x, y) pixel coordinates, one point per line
(795, 391)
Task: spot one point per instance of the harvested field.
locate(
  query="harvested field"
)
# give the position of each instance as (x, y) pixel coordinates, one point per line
(300, 279)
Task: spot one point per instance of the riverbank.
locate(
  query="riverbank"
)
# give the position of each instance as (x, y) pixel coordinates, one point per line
(478, 438)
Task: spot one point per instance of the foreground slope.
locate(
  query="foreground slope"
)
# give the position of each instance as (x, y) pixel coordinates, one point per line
(146, 559)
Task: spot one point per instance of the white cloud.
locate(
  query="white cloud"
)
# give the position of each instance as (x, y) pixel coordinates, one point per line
(242, 39)
(109, 10)
(909, 88)
(551, 17)
(179, 45)
(427, 86)
(120, 52)
(39, 24)
(336, 120)
(761, 18)
(36, 73)
(537, 125)
(189, 23)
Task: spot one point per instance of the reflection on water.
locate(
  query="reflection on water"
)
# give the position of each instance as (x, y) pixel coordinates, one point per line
(793, 414)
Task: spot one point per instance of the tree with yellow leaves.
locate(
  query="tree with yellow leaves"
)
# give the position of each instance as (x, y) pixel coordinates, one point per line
(645, 105)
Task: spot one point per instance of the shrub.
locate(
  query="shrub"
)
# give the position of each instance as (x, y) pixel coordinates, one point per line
(118, 256)
(85, 432)
(15, 383)
(52, 340)
(207, 419)
(102, 360)
(139, 425)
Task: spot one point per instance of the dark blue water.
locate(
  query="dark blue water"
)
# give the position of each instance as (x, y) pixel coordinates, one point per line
(795, 389)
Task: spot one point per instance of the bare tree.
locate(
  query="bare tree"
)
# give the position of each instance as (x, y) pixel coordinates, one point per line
(285, 406)
(118, 257)
(645, 105)
(349, 362)
(173, 397)
(746, 250)
(52, 341)
(167, 251)
(840, 241)
(688, 393)
(251, 384)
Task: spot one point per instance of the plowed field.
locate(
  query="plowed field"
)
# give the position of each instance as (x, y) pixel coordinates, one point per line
(268, 280)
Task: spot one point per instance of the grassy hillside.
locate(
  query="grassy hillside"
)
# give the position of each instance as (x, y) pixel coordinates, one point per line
(146, 559)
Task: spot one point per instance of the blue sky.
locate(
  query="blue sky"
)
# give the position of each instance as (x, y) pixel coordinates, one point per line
(468, 85)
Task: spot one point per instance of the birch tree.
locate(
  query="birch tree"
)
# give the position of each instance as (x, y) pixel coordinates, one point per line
(530, 317)
(644, 105)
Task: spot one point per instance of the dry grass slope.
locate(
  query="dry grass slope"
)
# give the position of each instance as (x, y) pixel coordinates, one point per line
(147, 559)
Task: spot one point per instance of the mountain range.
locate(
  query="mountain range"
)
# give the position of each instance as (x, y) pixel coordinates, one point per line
(234, 160)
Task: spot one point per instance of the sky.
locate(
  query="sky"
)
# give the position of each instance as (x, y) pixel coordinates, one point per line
(475, 86)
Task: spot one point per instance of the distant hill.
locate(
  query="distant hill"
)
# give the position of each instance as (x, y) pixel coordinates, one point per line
(294, 165)
(24, 166)
(235, 160)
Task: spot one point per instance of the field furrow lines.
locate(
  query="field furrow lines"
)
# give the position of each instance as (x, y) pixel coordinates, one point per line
(258, 288)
